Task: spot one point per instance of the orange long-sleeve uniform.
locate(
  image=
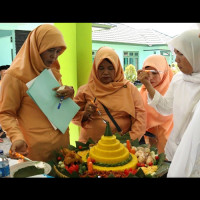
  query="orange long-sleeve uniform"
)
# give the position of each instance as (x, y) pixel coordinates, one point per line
(95, 127)
(157, 124)
(22, 119)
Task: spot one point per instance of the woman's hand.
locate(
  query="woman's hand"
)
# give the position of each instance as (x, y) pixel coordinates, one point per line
(90, 109)
(19, 146)
(65, 91)
(143, 77)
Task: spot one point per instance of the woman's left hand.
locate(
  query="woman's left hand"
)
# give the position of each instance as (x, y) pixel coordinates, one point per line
(67, 92)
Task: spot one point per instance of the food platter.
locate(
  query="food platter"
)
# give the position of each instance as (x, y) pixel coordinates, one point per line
(24, 165)
(63, 171)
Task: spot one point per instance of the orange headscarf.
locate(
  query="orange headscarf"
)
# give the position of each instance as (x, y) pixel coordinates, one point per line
(158, 62)
(112, 95)
(28, 63)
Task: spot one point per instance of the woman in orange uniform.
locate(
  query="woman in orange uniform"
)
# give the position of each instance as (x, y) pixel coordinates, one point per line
(158, 125)
(107, 86)
(3, 69)
(28, 128)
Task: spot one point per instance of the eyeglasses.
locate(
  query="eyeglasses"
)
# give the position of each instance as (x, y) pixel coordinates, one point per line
(154, 71)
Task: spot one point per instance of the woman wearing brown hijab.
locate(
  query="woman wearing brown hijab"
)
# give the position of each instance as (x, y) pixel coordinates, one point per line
(28, 128)
(107, 86)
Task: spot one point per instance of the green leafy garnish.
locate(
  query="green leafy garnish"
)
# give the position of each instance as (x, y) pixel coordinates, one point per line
(140, 173)
(28, 171)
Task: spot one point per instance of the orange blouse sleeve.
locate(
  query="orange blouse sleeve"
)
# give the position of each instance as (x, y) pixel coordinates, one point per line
(80, 99)
(10, 98)
(138, 127)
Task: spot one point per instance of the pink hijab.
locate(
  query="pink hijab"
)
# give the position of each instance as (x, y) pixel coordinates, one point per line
(154, 119)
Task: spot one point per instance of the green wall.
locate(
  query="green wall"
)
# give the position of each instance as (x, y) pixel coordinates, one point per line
(5, 52)
(84, 52)
(76, 61)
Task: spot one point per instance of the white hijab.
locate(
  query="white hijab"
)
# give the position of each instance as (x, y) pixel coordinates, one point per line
(188, 43)
(188, 150)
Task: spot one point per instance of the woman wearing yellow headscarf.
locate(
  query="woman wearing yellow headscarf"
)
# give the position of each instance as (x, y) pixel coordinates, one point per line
(28, 128)
(107, 86)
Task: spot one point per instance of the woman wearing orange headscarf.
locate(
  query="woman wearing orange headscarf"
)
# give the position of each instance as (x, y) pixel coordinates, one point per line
(158, 125)
(107, 86)
(28, 128)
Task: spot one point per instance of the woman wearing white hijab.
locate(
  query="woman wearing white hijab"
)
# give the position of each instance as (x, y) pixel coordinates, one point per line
(182, 99)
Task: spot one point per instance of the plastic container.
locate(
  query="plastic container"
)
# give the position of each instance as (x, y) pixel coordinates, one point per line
(4, 165)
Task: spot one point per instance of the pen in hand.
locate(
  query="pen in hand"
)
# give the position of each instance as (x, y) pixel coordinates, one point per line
(62, 97)
(97, 109)
(61, 100)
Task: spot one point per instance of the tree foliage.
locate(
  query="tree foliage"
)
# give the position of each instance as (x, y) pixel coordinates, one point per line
(130, 73)
(174, 67)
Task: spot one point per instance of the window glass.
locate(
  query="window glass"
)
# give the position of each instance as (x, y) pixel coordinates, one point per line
(131, 57)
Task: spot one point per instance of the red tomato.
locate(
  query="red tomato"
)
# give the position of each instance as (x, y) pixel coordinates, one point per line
(73, 166)
(59, 158)
(70, 170)
(139, 164)
(66, 167)
(150, 164)
(156, 157)
(126, 171)
(80, 147)
(130, 171)
(133, 171)
(76, 168)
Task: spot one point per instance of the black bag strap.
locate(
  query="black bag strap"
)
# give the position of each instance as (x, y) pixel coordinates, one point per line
(111, 117)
